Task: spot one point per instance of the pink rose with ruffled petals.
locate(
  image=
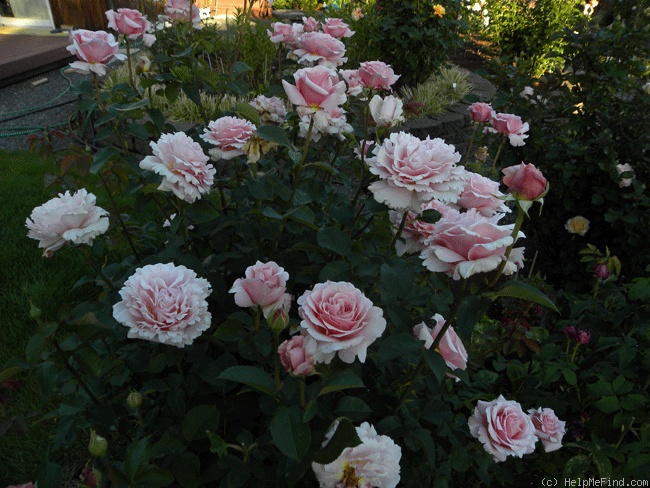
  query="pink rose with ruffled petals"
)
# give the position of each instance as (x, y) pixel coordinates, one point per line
(297, 355)
(183, 11)
(67, 218)
(131, 23)
(271, 110)
(320, 48)
(377, 75)
(503, 428)
(353, 80)
(525, 182)
(317, 88)
(285, 33)
(264, 286)
(480, 112)
(450, 347)
(341, 320)
(182, 164)
(469, 243)
(483, 195)
(164, 303)
(229, 135)
(95, 49)
(310, 24)
(337, 28)
(548, 428)
(510, 125)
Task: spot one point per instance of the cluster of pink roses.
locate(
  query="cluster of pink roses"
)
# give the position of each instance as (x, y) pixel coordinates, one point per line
(500, 123)
(505, 430)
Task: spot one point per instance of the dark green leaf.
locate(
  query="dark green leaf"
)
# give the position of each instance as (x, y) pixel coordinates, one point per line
(289, 434)
(251, 376)
(607, 404)
(334, 240)
(137, 458)
(518, 289)
(397, 345)
(48, 475)
(101, 157)
(199, 420)
(275, 134)
(341, 381)
(137, 130)
(353, 408)
(344, 436)
(576, 467)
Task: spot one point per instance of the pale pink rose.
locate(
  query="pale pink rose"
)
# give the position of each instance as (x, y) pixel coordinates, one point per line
(413, 171)
(387, 111)
(131, 23)
(525, 182)
(325, 122)
(311, 24)
(503, 428)
(317, 88)
(229, 135)
(469, 243)
(164, 303)
(480, 112)
(337, 28)
(341, 320)
(353, 80)
(285, 33)
(24, 485)
(548, 428)
(373, 463)
(510, 125)
(377, 75)
(95, 49)
(67, 219)
(297, 355)
(483, 195)
(182, 11)
(263, 285)
(320, 48)
(182, 164)
(450, 347)
(271, 110)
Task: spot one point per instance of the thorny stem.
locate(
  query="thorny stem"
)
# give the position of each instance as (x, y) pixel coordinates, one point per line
(74, 372)
(128, 60)
(400, 229)
(496, 156)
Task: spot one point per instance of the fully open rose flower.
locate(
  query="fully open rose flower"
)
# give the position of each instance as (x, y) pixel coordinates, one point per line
(373, 463)
(271, 110)
(95, 49)
(164, 303)
(182, 164)
(131, 23)
(320, 48)
(229, 135)
(625, 169)
(317, 88)
(503, 428)
(526, 183)
(387, 111)
(297, 355)
(548, 428)
(480, 112)
(182, 11)
(510, 125)
(469, 243)
(353, 80)
(483, 195)
(451, 347)
(285, 33)
(67, 219)
(577, 225)
(377, 75)
(341, 320)
(263, 285)
(337, 28)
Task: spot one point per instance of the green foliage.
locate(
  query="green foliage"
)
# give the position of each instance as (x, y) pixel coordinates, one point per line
(440, 91)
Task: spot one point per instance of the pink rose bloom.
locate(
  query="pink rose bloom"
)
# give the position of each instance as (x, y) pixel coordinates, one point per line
(483, 195)
(271, 110)
(131, 23)
(337, 28)
(480, 112)
(326, 122)
(229, 135)
(67, 218)
(373, 463)
(263, 285)
(510, 125)
(182, 164)
(183, 11)
(317, 88)
(413, 171)
(164, 303)
(387, 111)
(468, 243)
(377, 75)
(548, 428)
(320, 48)
(285, 33)
(525, 182)
(503, 428)
(24, 485)
(353, 80)
(341, 320)
(95, 49)
(450, 347)
(310, 24)
(297, 355)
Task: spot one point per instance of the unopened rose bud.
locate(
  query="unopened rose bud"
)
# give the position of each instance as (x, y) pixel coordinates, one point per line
(134, 400)
(481, 154)
(98, 445)
(278, 320)
(584, 336)
(570, 332)
(34, 311)
(601, 271)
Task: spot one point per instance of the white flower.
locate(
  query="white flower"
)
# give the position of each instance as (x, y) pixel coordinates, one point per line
(625, 168)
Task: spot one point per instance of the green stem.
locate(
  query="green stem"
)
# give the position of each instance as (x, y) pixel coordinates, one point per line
(302, 392)
(98, 93)
(97, 269)
(515, 232)
(575, 350)
(400, 229)
(74, 372)
(471, 141)
(276, 362)
(496, 156)
(128, 61)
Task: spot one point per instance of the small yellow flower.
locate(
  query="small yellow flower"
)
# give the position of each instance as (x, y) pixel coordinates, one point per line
(438, 10)
(577, 225)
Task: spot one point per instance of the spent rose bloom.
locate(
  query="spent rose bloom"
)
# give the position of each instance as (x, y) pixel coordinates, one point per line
(503, 428)
(548, 428)
(95, 49)
(373, 463)
(510, 125)
(377, 75)
(270, 109)
(526, 183)
(387, 111)
(451, 347)
(317, 88)
(353, 80)
(182, 164)
(182, 11)
(285, 33)
(263, 285)
(480, 112)
(577, 225)
(67, 218)
(341, 320)
(297, 355)
(164, 303)
(483, 195)
(337, 28)
(357, 14)
(625, 168)
(333, 122)
(229, 135)
(469, 243)
(320, 48)
(131, 23)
